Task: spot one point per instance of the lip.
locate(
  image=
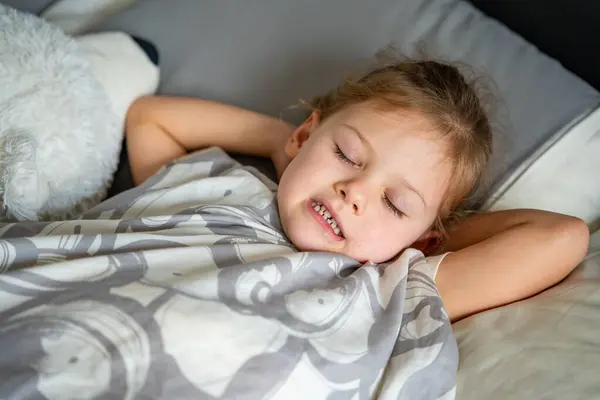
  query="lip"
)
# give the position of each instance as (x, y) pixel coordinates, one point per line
(319, 219)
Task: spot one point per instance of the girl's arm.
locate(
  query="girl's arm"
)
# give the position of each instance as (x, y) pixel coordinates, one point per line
(501, 257)
(162, 128)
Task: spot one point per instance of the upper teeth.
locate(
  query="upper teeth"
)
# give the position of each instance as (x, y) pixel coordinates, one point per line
(320, 208)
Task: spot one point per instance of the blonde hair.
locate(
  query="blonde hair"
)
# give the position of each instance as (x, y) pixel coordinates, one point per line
(441, 93)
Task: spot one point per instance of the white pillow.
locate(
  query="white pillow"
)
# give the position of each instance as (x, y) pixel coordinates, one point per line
(562, 176)
(546, 346)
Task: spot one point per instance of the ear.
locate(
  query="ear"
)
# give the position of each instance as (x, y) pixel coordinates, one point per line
(301, 134)
(428, 242)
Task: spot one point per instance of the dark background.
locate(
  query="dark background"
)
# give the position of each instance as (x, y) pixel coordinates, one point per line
(568, 31)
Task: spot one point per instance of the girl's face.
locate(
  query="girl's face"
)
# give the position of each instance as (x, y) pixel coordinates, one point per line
(378, 177)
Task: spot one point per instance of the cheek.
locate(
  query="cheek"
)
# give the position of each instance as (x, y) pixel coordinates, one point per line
(313, 168)
(291, 182)
(383, 235)
(383, 240)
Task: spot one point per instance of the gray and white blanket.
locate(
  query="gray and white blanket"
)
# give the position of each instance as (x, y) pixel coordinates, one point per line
(186, 288)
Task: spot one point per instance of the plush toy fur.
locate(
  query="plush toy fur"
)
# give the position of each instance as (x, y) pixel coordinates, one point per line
(60, 128)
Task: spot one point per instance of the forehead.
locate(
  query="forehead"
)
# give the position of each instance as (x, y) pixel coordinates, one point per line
(403, 145)
(376, 123)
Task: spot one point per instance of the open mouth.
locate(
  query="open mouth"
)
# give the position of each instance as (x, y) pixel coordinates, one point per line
(326, 216)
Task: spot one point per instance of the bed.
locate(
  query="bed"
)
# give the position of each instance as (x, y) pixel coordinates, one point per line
(546, 130)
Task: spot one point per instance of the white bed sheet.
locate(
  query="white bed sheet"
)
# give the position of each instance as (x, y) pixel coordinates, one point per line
(546, 347)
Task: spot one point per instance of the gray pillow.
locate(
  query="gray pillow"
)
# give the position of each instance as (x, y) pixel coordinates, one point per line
(265, 55)
(31, 6)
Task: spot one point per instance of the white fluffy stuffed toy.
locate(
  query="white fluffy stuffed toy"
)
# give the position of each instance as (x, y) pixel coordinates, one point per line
(62, 107)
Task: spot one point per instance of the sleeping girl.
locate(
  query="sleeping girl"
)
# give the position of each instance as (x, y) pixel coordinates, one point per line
(383, 163)
(209, 280)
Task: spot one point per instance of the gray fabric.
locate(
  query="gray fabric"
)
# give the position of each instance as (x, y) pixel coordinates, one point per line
(265, 55)
(186, 288)
(32, 6)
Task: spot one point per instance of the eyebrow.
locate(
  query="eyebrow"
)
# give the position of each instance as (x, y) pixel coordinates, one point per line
(412, 189)
(406, 184)
(360, 135)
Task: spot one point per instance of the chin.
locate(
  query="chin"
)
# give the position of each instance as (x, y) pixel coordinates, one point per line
(308, 240)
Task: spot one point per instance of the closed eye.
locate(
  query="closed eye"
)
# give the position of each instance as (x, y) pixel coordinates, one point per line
(392, 207)
(338, 152)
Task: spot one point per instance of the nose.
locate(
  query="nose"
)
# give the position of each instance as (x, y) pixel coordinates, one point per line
(353, 193)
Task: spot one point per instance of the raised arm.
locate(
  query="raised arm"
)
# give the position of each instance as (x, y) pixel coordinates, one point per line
(505, 256)
(162, 128)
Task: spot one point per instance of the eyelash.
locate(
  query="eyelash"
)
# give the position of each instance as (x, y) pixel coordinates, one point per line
(340, 154)
(392, 207)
